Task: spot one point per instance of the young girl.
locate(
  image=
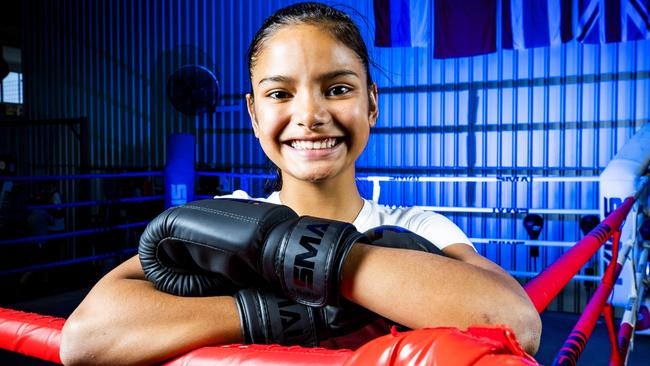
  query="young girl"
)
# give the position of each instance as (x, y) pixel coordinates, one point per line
(312, 106)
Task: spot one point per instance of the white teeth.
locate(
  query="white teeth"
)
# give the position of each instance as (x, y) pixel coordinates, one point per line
(313, 145)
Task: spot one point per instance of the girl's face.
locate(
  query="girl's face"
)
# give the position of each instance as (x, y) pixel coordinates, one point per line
(312, 110)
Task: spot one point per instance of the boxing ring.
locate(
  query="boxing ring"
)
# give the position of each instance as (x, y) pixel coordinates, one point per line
(625, 226)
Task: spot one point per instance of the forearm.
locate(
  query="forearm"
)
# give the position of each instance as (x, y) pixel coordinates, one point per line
(128, 321)
(418, 290)
(503, 277)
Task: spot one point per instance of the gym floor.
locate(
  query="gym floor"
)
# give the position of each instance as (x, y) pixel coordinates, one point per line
(556, 328)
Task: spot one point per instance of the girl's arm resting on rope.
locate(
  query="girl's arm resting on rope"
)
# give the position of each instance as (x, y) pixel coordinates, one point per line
(125, 320)
(418, 289)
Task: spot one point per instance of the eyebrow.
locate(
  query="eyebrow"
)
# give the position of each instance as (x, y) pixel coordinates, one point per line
(325, 76)
(337, 73)
(275, 78)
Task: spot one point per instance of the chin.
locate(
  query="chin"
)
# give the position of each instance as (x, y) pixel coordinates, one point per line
(315, 177)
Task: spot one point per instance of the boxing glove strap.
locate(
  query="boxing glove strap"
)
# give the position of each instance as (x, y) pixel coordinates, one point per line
(308, 260)
(269, 319)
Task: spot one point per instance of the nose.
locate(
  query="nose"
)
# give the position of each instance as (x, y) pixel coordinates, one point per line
(310, 111)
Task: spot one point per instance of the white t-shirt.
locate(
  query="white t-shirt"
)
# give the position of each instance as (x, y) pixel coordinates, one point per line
(432, 226)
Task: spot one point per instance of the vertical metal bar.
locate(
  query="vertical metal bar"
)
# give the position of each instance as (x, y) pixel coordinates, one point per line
(110, 78)
(61, 145)
(443, 113)
(245, 140)
(137, 83)
(207, 45)
(614, 101)
(484, 150)
(103, 121)
(470, 151)
(455, 186)
(222, 158)
(500, 155)
(120, 73)
(232, 155)
(633, 86)
(216, 55)
(150, 45)
(416, 193)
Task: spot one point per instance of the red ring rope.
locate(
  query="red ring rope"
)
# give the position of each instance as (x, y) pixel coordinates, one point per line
(543, 288)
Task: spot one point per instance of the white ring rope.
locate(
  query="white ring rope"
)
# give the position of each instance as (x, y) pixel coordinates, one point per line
(376, 187)
(541, 243)
(376, 190)
(492, 179)
(512, 210)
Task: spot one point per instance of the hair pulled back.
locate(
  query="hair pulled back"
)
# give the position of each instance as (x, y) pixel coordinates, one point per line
(337, 23)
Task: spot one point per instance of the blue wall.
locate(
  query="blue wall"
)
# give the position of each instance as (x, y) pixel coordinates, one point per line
(547, 111)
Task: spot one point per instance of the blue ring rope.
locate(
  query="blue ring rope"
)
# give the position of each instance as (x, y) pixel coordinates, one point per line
(235, 175)
(82, 176)
(72, 233)
(96, 203)
(37, 267)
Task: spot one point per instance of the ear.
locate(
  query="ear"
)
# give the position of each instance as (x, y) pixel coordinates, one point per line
(250, 105)
(373, 104)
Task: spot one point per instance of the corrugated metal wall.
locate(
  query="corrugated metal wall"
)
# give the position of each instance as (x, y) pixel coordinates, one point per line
(547, 111)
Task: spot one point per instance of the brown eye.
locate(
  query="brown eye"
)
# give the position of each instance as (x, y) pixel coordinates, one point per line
(338, 90)
(278, 94)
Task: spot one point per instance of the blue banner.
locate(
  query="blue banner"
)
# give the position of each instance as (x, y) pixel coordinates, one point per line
(464, 28)
(535, 23)
(606, 21)
(402, 23)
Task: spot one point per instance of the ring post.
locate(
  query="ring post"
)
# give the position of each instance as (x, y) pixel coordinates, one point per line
(621, 178)
(179, 170)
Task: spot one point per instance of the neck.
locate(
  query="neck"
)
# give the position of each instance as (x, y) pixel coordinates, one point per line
(337, 198)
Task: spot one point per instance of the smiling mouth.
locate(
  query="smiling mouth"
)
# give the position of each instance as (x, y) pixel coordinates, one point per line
(323, 144)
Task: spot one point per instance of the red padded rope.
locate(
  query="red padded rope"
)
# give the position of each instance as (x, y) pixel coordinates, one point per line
(40, 337)
(261, 354)
(543, 288)
(31, 334)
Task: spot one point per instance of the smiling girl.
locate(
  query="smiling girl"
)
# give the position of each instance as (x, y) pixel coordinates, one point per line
(312, 106)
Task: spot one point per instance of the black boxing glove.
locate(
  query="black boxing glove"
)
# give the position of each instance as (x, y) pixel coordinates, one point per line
(187, 247)
(268, 318)
(397, 237)
(208, 247)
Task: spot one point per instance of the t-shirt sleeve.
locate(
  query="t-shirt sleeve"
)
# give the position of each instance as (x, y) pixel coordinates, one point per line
(438, 229)
(236, 194)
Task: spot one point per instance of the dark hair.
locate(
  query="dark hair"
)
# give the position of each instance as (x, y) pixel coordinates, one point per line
(337, 23)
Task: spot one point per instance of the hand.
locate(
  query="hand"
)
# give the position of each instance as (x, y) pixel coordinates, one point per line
(208, 247)
(269, 318)
(205, 246)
